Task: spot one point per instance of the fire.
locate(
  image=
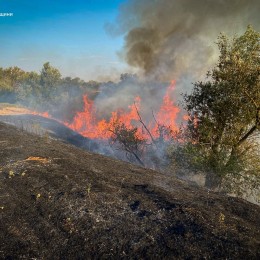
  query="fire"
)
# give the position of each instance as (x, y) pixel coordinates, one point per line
(168, 112)
(86, 123)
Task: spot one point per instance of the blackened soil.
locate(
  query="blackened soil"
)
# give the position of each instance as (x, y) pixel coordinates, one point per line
(60, 202)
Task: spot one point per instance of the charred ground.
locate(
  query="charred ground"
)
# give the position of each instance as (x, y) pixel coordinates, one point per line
(60, 202)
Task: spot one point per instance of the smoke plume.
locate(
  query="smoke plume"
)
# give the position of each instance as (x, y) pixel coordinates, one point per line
(171, 38)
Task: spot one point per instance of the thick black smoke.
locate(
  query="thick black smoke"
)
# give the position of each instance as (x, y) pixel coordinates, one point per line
(171, 38)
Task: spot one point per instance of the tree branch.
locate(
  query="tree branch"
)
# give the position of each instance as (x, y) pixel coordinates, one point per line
(141, 121)
(253, 128)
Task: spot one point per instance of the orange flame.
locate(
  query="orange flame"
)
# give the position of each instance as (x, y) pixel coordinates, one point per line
(167, 113)
(86, 123)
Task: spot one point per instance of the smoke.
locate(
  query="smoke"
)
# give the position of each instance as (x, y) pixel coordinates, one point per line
(121, 95)
(168, 39)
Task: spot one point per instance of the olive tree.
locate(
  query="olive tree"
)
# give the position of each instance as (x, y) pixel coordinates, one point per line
(224, 111)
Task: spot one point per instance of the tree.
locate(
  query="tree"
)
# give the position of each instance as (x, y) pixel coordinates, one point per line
(50, 78)
(29, 90)
(225, 110)
(10, 80)
(128, 77)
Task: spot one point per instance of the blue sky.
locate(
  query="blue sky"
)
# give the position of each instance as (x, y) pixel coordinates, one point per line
(69, 34)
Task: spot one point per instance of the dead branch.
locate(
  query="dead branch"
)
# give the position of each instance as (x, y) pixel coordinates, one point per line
(144, 125)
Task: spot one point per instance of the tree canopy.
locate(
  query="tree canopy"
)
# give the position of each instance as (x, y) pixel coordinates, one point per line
(225, 110)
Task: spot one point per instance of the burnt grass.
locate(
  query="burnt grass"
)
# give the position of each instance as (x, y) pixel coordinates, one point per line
(58, 201)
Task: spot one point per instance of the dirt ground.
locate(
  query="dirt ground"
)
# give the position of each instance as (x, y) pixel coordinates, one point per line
(60, 202)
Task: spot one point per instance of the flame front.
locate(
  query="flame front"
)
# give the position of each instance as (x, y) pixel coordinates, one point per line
(168, 112)
(86, 123)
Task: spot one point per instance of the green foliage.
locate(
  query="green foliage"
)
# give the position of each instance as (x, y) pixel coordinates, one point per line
(225, 111)
(29, 90)
(50, 78)
(45, 91)
(10, 79)
(5, 83)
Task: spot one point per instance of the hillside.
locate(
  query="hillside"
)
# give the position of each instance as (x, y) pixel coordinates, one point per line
(60, 202)
(48, 127)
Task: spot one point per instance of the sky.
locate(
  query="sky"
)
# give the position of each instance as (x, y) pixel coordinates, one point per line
(71, 35)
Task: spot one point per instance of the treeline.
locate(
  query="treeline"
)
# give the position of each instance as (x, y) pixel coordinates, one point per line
(46, 90)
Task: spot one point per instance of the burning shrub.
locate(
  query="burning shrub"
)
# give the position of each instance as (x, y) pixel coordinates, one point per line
(141, 145)
(129, 141)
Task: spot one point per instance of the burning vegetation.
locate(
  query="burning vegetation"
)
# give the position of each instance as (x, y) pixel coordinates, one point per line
(138, 120)
(65, 202)
(88, 125)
